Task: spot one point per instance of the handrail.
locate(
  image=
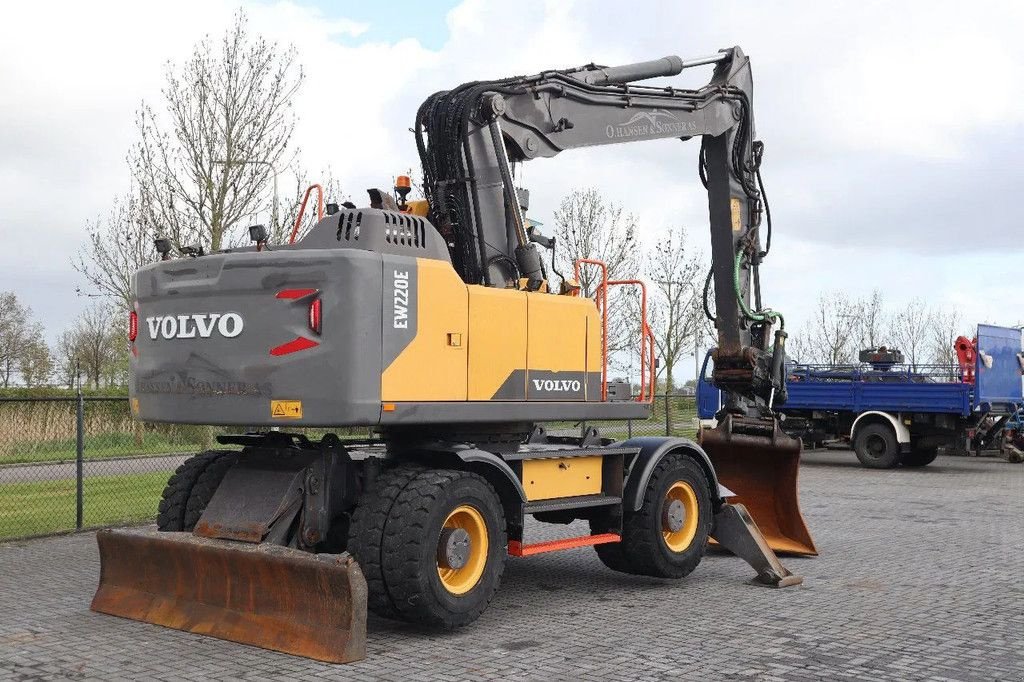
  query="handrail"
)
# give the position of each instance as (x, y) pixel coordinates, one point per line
(302, 209)
(646, 341)
(602, 305)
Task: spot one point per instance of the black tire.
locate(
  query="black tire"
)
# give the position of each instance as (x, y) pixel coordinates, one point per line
(366, 534)
(174, 501)
(876, 446)
(610, 553)
(644, 549)
(410, 548)
(920, 457)
(205, 486)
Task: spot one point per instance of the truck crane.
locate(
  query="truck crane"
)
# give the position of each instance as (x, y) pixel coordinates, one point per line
(436, 323)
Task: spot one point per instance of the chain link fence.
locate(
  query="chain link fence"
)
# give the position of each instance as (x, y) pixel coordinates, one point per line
(74, 462)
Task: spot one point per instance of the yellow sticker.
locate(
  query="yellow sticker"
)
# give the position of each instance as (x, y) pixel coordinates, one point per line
(737, 215)
(286, 409)
(135, 405)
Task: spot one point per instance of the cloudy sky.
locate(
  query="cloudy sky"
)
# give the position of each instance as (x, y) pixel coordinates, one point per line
(892, 129)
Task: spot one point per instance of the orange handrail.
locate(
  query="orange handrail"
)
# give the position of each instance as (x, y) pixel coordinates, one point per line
(646, 341)
(302, 209)
(601, 299)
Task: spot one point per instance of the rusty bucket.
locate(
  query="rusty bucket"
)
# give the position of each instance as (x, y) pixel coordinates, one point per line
(311, 605)
(760, 464)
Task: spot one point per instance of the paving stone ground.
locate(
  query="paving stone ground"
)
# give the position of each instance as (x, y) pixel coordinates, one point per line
(921, 577)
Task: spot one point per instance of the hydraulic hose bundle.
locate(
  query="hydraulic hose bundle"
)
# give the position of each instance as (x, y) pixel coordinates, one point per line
(442, 124)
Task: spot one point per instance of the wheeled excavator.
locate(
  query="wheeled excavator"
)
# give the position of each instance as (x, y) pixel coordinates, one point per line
(436, 323)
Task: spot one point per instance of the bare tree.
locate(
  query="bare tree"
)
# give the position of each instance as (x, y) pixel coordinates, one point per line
(674, 309)
(115, 370)
(285, 212)
(117, 247)
(871, 321)
(202, 166)
(94, 343)
(800, 350)
(832, 333)
(588, 226)
(910, 331)
(65, 357)
(16, 329)
(35, 364)
(945, 328)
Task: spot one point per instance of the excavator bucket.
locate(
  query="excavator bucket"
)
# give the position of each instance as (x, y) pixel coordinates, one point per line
(311, 605)
(759, 463)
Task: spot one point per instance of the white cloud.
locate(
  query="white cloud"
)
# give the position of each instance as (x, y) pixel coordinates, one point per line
(889, 126)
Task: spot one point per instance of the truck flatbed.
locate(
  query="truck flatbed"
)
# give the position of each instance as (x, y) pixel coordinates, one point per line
(928, 389)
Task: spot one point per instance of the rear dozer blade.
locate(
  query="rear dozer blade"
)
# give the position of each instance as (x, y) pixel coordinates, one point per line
(759, 463)
(311, 605)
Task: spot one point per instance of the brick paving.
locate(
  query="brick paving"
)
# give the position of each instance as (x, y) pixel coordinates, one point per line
(921, 577)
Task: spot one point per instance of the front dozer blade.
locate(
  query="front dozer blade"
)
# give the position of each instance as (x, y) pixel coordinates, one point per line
(759, 463)
(311, 605)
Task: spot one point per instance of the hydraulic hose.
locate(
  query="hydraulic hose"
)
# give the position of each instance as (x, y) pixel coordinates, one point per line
(760, 316)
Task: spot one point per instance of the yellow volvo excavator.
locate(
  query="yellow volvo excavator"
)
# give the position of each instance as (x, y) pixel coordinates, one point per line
(436, 323)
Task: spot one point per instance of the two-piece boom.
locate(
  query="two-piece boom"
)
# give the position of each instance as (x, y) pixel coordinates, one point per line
(467, 137)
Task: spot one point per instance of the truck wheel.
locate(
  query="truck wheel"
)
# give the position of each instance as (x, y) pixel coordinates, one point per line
(444, 548)
(610, 553)
(206, 485)
(667, 537)
(366, 534)
(920, 458)
(876, 446)
(174, 501)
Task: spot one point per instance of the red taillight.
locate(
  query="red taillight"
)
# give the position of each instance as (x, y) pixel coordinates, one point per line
(314, 315)
(295, 293)
(133, 326)
(294, 346)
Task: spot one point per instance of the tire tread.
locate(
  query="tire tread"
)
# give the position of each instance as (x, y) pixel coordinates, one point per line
(640, 552)
(174, 499)
(406, 542)
(366, 534)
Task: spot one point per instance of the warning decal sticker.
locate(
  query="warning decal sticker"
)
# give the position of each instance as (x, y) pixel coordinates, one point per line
(286, 409)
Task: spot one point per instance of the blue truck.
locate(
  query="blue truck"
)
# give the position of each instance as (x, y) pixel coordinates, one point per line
(894, 414)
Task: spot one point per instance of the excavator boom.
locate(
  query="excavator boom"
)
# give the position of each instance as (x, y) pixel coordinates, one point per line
(467, 138)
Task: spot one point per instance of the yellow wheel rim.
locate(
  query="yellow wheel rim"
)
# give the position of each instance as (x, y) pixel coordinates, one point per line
(678, 540)
(463, 579)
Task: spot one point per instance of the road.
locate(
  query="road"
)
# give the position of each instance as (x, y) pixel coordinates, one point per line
(919, 578)
(55, 471)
